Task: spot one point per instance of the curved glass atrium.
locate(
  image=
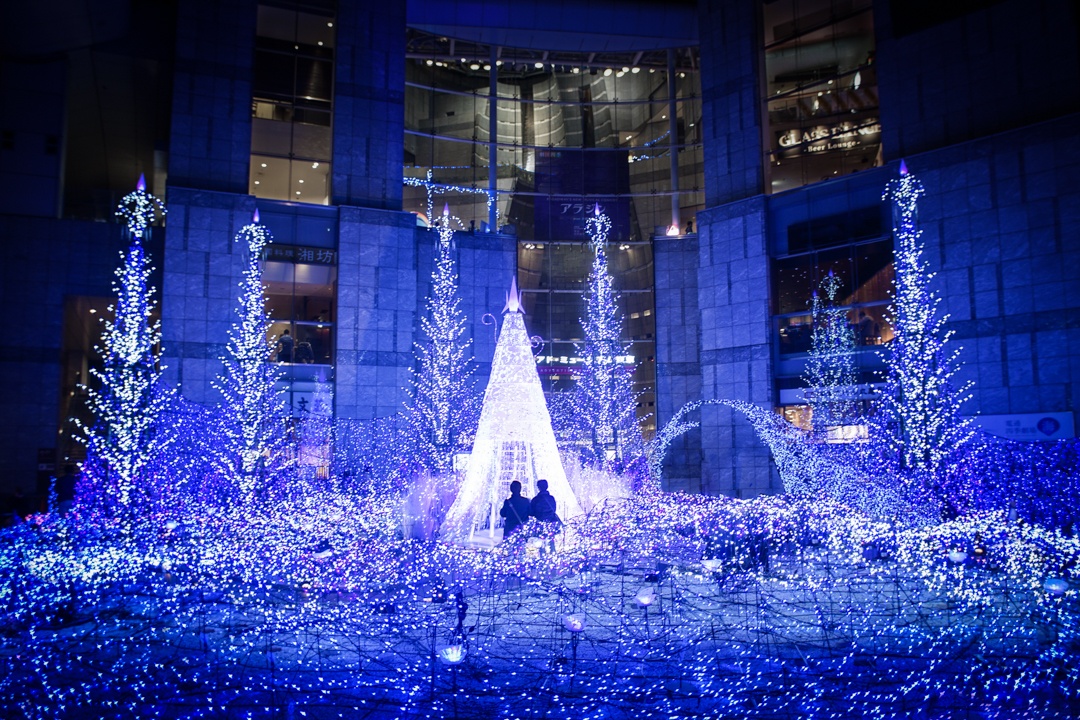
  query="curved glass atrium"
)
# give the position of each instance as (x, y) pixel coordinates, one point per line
(528, 142)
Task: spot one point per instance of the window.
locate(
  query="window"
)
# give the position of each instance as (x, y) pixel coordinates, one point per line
(821, 104)
(292, 106)
(300, 300)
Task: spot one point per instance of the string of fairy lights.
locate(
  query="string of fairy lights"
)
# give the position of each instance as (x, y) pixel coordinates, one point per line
(257, 590)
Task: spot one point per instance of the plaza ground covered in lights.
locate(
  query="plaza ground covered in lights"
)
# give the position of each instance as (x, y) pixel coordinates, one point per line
(516, 360)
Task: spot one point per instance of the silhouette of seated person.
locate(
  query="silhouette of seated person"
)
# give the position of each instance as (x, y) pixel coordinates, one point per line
(542, 507)
(515, 510)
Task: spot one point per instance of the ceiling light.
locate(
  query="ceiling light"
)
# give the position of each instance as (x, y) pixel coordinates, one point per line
(635, 70)
(498, 63)
(301, 180)
(314, 165)
(538, 65)
(626, 69)
(663, 117)
(264, 164)
(629, 137)
(329, 24)
(619, 74)
(682, 75)
(607, 72)
(464, 60)
(474, 66)
(652, 70)
(487, 66)
(320, 43)
(93, 311)
(575, 70)
(297, 192)
(256, 182)
(430, 63)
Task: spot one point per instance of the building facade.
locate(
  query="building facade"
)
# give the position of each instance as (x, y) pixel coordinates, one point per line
(740, 148)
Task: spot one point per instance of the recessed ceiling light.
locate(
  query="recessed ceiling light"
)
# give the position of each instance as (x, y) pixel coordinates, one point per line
(264, 164)
(314, 165)
(297, 192)
(320, 43)
(538, 65)
(256, 182)
(301, 180)
(329, 24)
(474, 66)
(607, 72)
(636, 70)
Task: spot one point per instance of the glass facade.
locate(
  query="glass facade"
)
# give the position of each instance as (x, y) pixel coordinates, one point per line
(821, 107)
(292, 106)
(527, 142)
(301, 298)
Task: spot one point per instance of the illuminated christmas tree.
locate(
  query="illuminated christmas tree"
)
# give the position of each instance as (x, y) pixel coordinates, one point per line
(605, 401)
(830, 368)
(917, 416)
(128, 404)
(514, 439)
(444, 406)
(253, 408)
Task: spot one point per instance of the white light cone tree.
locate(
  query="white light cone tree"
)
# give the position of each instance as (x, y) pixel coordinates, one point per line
(443, 404)
(130, 398)
(514, 440)
(253, 408)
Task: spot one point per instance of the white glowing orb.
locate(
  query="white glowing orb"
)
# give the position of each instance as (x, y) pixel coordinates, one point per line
(645, 597)
(1056, 586)
(574, 623)
(453, 654)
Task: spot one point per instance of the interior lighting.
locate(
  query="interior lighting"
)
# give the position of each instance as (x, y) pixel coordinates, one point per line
(257, 182)
(314, 165)
(635, 70)
(320, 43)
(487, 66)
(682, 74)
(301, 180)
(297, 192)
(474, 66)
(673, 230)
(329, 24)
(538, 65)
(264, 164)
(576, 71)
(430, 63)
(607, 72)
(626, 69)
(619, 74)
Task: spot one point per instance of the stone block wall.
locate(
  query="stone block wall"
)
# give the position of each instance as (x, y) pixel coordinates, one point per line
(202, 269)
(377, 310)
(678, 353)
(210, 142)
(733, 301)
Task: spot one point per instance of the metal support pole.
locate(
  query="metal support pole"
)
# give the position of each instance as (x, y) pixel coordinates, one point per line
(673, 139)
(493, 143)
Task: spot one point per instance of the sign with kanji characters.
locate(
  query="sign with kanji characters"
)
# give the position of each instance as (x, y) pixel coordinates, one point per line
(1029, 426)
(300, 254)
